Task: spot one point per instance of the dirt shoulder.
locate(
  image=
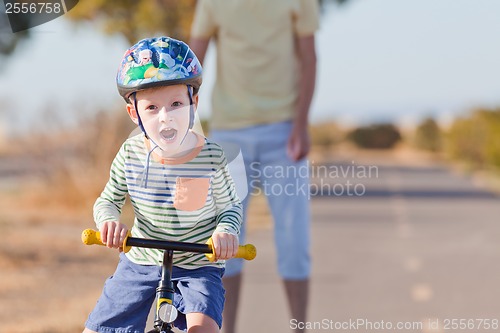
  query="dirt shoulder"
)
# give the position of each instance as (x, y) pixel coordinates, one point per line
(49, 277)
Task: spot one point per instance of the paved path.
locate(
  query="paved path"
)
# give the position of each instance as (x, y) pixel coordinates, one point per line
(420, 245)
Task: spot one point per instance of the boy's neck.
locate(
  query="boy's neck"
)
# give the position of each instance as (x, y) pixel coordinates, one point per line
(193, 143)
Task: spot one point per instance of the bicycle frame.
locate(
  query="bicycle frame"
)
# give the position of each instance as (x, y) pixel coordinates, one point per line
(164, 297)
(166, 313)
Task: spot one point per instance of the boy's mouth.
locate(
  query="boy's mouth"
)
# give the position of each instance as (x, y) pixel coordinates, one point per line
(168, 134)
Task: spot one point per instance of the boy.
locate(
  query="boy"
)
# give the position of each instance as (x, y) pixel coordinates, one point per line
(180, 189)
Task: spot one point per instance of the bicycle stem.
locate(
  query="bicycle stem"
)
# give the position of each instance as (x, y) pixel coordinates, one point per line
(165, 290)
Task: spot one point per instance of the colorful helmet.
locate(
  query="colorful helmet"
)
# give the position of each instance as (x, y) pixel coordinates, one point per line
(160, 61)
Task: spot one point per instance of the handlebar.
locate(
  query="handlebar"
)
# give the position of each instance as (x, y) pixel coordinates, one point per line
(93, 237)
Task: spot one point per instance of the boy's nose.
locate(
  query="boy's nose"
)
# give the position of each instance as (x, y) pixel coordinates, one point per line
(164, 114)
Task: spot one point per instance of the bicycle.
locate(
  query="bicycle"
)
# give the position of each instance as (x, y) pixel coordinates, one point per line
(166, 313)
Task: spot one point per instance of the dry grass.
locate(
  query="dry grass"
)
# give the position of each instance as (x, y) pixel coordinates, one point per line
(46, 275)
(49, 184)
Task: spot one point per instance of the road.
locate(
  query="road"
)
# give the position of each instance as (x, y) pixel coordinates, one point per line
(414, 246)
(392, 244)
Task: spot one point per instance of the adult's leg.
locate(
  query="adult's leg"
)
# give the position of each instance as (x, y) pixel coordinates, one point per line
(286, 186)
(232, 283)
(243, 141)
(297, 292)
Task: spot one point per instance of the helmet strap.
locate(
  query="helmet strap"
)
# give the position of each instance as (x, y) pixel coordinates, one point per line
(191, 112)
(141, 126)
(191, 107)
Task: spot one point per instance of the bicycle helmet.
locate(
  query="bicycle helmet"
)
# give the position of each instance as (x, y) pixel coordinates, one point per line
(159, 61)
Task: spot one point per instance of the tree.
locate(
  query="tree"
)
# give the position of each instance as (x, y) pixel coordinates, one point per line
(379, 136)
(475, 139)
(428, 135)
(137, 19)
(134, 19)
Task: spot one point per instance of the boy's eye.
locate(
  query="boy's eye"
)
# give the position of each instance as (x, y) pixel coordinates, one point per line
(176, 104)
(151, 108)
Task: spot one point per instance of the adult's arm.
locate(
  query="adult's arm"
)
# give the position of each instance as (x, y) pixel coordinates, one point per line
(199, 47)
(299, 141)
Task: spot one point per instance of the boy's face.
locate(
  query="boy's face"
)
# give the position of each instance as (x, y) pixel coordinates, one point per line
(164, 112)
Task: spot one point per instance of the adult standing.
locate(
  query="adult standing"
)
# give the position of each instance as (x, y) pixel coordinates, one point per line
(266, 71)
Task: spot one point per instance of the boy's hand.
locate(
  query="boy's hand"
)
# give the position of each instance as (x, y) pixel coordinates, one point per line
(113, 234)
(225, 245)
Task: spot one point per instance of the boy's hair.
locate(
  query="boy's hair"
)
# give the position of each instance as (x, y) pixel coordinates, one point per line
(130, 100)
(172, 62)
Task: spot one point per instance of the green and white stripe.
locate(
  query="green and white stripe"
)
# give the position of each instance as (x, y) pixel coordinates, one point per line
(152, 200)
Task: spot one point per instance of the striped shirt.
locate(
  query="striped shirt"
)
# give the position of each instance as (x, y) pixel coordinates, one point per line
(185, 199)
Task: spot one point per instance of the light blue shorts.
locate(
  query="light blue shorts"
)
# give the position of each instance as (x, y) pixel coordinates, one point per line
(127, 296)
(286, 186)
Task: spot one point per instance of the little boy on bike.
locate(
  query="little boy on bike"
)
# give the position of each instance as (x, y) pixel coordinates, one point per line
(180, 189)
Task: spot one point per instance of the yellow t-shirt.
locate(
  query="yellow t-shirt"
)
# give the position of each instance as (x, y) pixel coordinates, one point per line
(257, 71)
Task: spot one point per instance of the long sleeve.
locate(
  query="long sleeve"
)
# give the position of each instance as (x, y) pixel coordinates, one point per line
(109, 204)
(228, 205)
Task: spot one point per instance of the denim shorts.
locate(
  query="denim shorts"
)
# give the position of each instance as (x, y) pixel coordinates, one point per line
(284, 182)
(127, 296)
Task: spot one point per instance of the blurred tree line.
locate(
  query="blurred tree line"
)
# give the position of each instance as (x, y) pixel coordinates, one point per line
(377, 136)
(134, 19)
(473, 139)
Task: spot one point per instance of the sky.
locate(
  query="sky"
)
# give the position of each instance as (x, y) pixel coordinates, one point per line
(378, 60)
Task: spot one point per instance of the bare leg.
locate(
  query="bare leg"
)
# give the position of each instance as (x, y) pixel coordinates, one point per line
(232, 285)
(86, 330)
(297, 292)
(200, 323)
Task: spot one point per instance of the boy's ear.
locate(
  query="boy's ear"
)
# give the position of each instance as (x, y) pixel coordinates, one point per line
(132, 113)
(195, 100)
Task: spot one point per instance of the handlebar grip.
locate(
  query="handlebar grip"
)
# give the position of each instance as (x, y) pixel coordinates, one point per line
(247, 252)
(93, 237)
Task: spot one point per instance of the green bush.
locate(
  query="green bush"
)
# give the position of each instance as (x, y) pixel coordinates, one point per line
(476, 139)
(326, 135)
(428, 136)
(379, 136)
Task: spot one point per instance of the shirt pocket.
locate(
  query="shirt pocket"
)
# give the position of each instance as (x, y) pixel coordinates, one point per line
(191, 193)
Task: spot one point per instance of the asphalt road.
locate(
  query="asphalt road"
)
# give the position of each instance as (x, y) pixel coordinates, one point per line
(410, 249)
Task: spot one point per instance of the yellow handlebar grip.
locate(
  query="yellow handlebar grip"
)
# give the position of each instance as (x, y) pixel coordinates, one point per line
(91, 237)
(247, 252)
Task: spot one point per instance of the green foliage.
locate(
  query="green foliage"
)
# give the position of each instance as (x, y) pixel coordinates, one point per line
(137, 19)
(134, 19)
(380, 136)
(476, 139)
(326, 134)
(428, 136)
